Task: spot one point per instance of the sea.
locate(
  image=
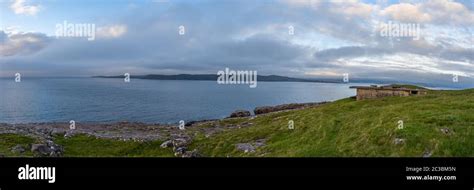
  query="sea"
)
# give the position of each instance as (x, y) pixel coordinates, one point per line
(108, 100)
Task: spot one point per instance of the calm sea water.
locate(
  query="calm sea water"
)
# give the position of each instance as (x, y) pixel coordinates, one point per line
(150, 101)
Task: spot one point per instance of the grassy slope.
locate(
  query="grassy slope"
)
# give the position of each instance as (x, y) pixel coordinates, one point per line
(342, 128)
(87, 146)
(361, 128)
(8, 141)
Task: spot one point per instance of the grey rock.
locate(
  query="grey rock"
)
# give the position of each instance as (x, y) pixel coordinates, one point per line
(191, 154)
(246, 147)
(50, 143)
(51, 150)
(246, 124)
(180, 142)
(57, 132)
(269, 109)
(166, 144)
(68, 134)
(427, 154)
(445, 131)
(41, 149)
(240, 113)
(179, 151)
(46, 131)
(398, 141)
(18, 149)
(260, 142)
(57, 151)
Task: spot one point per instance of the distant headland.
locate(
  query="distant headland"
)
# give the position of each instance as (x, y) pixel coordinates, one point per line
(214, 77)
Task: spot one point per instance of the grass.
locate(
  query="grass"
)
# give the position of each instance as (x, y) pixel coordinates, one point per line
(346, 127)
(89, 146)
(360, 128)
(8, 141)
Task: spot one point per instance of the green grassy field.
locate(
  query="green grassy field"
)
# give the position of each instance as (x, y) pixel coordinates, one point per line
(438, 124)
(87, 146)
(8, 141)
(361, 128)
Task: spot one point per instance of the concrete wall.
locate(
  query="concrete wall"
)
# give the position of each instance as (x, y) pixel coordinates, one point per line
(378, 93)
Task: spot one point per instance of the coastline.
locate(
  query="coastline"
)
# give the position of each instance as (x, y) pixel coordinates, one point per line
(260, 110)
(344, 127)
(171, 135)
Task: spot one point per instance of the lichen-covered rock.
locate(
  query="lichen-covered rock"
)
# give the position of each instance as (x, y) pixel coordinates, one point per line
(240, 113)
(18, 149)
(51, 150)
(398, 141)
(41, 149)
(166, 144)
(269, 109)
(246, 147)
(191, 154)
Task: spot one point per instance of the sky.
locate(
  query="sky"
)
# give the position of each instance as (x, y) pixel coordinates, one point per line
(327, 38)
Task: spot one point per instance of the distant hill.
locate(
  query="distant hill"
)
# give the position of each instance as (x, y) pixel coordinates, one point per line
(213, 77)
(407, 86)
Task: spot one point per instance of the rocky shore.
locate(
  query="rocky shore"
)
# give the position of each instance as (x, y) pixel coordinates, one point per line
(172, 136)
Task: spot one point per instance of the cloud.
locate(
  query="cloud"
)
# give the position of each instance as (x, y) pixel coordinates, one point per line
(329, 39)
(345, 8)
(20, 7)
(431, 11)
(405, 12)
(112, 31)
(353, 8)
(22, 43)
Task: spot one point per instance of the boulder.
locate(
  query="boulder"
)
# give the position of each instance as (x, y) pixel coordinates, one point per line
(52, 150)
(18, 149)
(191, 154)
(427, 154)
(69, 133)
(45, 131)
(166, 144)
(180, 142)
(246, 147)
(260, 142)
(445, 131)
(264, 109)
(57, 151)
(41, 149)
(269, 109)
(398, 141)
(240, 113)
(179, 151)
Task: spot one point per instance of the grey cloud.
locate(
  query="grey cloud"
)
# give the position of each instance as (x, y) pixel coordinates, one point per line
(152, 44)
(22, 43)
